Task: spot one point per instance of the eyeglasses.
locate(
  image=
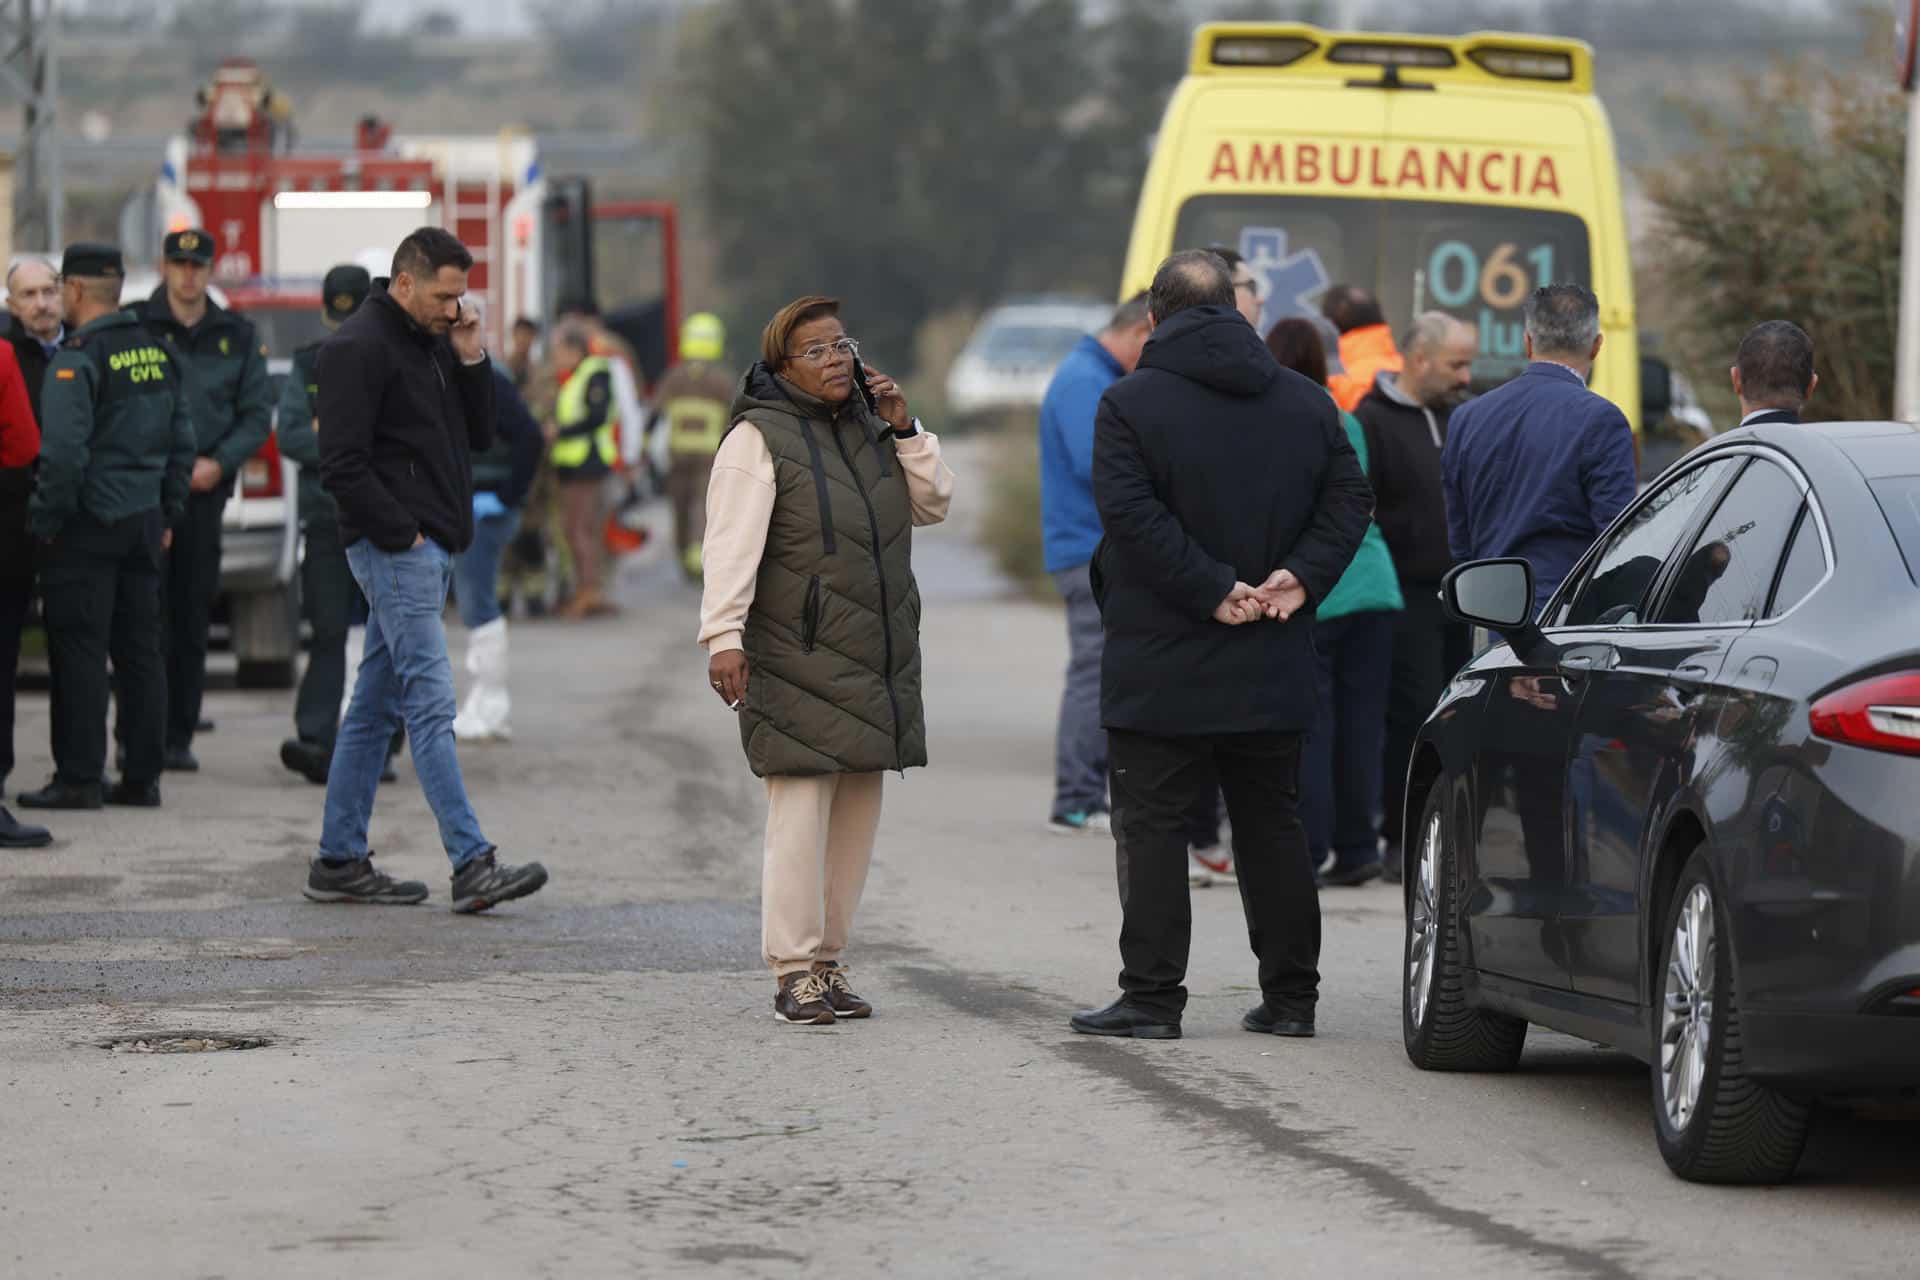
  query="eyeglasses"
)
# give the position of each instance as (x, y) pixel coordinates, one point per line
(822, 352)
(1254, 285)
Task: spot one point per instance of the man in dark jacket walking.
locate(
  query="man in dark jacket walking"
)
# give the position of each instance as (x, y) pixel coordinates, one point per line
(405, 398)
(1404, 419)
(1214, 469)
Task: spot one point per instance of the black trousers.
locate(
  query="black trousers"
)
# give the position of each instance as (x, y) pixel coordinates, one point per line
(1427, 650)
(192, 580)
(1157, 783)
(329, 596)
(101, 587)
(16, 595)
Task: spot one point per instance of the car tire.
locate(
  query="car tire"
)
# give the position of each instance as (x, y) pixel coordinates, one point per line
(264, 673)
(1721, 1126)
(1443, 1031)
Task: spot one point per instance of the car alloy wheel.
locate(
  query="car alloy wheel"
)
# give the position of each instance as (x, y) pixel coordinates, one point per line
(1713, 1122)
(1443, 1028)
(1423, 922)
(1686, 1015)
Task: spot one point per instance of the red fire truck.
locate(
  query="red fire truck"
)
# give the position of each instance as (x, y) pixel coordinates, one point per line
(284, 213)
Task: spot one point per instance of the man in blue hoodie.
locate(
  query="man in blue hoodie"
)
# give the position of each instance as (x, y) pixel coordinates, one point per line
(1071, 528)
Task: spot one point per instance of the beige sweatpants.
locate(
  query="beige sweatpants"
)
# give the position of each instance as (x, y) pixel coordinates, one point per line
(820, 834)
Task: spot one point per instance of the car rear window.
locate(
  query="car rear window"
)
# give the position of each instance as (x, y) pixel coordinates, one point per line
(1900, 501)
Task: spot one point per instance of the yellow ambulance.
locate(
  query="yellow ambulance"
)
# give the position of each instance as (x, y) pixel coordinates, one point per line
(1449, 174)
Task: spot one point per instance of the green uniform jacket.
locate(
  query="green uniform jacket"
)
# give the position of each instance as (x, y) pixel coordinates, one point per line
(1370, 582)
(834, 632)
(117, 435)
(298, 440)
(232, 398)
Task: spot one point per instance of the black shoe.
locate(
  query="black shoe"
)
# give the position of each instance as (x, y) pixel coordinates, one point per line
(386, 771)
(58, 794)
(133, 795)
(15, 834)
(484, 883)
(1340, 877)
(308, 759)
(840, 996)
(1123, 1019)
(204, 726)
(1267, 1020)
(120, 760)
(1390, 864)
(359, 882)
(179, 760)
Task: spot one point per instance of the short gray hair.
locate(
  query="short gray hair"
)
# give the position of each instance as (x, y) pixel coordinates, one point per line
(1429, 329)
(30, 260)
(1130, 314)
(1563, 320)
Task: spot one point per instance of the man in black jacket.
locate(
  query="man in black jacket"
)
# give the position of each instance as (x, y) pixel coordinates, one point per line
(404, 400)
(1404, 418)
(1214, 469)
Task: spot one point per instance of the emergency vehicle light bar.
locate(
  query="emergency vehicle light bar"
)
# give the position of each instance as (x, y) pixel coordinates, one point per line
(1523, 64)
(1490, 60)
(1261, 51)
(337, 200)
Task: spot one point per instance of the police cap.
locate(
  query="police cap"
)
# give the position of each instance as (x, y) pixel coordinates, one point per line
(344, 289)
(92, 262)
(191, 245)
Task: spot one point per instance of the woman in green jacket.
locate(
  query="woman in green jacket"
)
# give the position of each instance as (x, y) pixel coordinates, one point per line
(1353, 635)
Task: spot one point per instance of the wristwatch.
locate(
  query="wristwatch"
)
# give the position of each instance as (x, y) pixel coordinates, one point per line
(913, 429)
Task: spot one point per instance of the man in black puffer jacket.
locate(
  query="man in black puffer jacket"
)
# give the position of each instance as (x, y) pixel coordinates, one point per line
(405, 399)
(1214, 469)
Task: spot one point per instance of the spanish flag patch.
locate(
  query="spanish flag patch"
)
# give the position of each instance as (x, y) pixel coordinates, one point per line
(65, 375)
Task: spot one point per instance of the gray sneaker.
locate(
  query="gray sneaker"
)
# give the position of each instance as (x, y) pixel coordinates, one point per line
(359, 882)
(484, 883)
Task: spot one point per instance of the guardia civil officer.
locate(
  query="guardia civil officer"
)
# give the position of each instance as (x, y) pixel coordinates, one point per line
(328, 593)
(231, 401)
(116, 458)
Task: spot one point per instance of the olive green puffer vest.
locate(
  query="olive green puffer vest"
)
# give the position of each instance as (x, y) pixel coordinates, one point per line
(834, 633)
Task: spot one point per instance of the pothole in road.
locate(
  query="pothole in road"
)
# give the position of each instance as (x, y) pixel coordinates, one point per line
(183, 1042)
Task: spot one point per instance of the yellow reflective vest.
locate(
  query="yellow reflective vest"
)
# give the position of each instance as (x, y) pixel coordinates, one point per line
(589, 419)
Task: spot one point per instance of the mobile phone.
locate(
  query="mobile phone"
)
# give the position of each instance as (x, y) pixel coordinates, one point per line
(866, 392)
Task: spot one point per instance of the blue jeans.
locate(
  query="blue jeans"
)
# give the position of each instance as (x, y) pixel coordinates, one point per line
(405, 679)
(1340, 778)
(1080, 750)
(476, 571)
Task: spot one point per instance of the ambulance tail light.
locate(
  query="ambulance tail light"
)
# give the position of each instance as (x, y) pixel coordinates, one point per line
(1260, 51)
(1369, 53)
(1524, 64)
(260, 474)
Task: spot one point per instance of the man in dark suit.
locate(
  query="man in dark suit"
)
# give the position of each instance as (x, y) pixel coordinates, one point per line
(1538, 467)
(1214, 469)
(1773, 373)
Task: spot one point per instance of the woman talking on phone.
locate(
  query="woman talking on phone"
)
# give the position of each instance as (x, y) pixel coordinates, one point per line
(811, 622)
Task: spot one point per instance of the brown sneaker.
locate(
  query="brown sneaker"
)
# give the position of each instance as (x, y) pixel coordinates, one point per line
(803, 999)
(840, 997)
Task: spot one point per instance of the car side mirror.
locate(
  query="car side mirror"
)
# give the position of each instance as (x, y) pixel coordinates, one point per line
(1496, 594)
(1656, 390)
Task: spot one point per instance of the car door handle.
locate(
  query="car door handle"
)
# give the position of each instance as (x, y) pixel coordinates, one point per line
(1692, 672)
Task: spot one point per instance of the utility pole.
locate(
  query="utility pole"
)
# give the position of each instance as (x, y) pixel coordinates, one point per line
(29, 68)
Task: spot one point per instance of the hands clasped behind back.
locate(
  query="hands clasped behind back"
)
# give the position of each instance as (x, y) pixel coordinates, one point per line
(1277, 599)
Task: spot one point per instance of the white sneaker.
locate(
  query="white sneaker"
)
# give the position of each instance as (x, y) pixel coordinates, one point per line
(1081, 824)
(1215, 862)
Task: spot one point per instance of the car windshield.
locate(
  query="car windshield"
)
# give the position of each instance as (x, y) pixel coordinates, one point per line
(1477, 262)
(1028, 344)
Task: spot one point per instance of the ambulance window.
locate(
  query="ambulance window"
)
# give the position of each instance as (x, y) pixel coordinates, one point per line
(1476, 261)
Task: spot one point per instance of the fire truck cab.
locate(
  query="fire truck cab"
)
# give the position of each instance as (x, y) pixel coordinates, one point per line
(284, 213)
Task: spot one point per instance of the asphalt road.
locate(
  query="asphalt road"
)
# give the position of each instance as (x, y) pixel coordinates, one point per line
(590, 1082)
